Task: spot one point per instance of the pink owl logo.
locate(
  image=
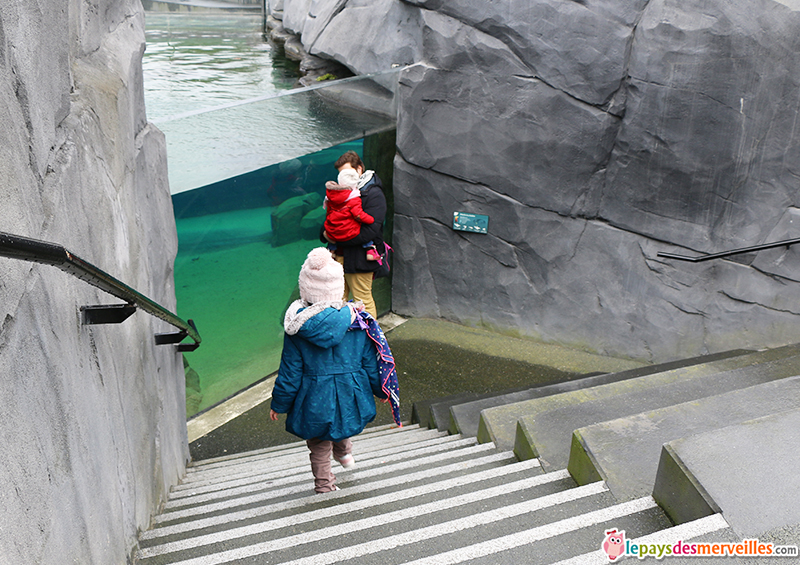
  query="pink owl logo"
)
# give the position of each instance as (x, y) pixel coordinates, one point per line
(614, 544)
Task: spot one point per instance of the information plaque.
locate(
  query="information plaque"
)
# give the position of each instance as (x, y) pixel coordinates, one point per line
(475, 223)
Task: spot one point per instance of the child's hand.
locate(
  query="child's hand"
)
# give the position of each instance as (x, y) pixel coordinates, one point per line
(273, 415)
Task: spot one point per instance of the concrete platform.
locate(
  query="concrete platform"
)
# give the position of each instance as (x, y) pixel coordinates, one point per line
(546, 424)
(625, 452)
(748, 471)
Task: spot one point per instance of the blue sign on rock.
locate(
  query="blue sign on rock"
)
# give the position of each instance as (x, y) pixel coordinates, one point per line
(475, 223)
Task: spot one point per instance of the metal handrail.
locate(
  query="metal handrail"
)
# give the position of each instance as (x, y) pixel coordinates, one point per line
(722, 254)
(26, 249)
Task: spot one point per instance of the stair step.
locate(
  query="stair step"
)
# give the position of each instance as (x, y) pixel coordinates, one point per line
(714, 524)
(303, 475)
(352, 500)
(360, 515)
(300, 465)
(546, 424)
(471, 538)
(396, 437)
(304, 489)
(543, 544)
(258, 464)
(368, 432)
(421, 410)
(748, 471)
(459, 520)
(464, 417)
(625, 452)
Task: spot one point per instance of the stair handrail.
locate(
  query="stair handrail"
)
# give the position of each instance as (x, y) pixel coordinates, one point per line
(720, 255)
(36, 251)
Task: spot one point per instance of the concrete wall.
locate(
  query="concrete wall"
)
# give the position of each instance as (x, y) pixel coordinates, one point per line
(92, 420)
(594, 134)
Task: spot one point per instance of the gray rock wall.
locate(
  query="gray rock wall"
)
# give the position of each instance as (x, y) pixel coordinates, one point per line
(93, 422)
(595, 134)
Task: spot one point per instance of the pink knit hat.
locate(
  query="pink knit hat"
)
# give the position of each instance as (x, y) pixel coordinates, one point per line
(321, 277)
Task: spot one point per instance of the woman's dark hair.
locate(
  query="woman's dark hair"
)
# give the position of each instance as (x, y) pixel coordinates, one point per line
(350, 157)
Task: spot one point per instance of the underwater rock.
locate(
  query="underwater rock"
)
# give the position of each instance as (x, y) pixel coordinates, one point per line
(287, 218)
(286, 221)
(311, 223)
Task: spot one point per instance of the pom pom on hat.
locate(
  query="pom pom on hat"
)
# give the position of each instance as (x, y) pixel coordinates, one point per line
(321, 277)
(348, 177)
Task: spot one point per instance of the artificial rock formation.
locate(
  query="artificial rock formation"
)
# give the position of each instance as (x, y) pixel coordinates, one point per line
(93, 422)
(594, 134)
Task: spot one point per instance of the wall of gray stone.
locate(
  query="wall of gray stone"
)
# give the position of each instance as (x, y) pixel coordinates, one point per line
(92, 417)
(594, 134)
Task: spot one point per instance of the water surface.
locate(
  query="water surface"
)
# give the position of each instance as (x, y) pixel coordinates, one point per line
(193, 62)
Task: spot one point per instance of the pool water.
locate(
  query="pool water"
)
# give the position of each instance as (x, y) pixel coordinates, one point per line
(198, 61)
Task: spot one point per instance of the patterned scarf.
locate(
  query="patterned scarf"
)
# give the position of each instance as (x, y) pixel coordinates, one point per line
(386, 367)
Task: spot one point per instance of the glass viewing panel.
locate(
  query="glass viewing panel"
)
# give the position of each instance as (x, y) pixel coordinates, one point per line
(249, 208)
(207, 146)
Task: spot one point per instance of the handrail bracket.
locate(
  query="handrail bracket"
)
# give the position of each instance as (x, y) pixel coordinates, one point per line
(177, 337)
(107, 314)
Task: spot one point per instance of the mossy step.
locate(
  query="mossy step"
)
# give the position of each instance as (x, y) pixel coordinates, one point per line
(625, 452)
(547, 423)
(747, 471)
(464, 417)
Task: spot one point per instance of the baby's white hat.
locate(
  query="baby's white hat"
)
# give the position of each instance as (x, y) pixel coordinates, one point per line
(348, 177)
(321, 277)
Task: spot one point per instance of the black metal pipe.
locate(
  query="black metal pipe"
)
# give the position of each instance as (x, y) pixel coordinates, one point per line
(26, 249)
(701, 258)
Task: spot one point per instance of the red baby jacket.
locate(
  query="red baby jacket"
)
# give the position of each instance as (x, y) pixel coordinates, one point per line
(344, 214)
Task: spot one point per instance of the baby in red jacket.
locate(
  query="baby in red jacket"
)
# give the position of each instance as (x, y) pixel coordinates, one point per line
(344, 215)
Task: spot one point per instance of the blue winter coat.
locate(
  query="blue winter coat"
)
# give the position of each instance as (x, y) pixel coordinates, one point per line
(328, 374)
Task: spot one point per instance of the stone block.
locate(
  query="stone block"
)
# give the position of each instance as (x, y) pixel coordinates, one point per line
(295, 15)
(625, 451)
(747, 471)
(311, 223)
(551, 420)
(580, 48)
(369, 36)
(286, 219)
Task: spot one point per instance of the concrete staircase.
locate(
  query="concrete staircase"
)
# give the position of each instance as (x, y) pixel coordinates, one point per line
(415, 496)
(707, 444)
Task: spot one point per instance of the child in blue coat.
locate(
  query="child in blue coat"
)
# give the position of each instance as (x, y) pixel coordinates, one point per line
(328, 375)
